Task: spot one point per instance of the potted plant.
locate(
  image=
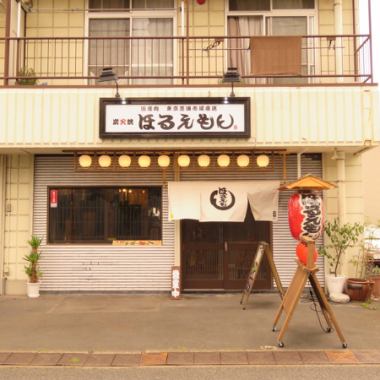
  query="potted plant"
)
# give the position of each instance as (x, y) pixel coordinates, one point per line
(26, 77)
(360, 287)
(341, 238)
(32, 268)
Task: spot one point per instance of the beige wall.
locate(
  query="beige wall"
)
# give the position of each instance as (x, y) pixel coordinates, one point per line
(18, 220)
(51, 18)
(354, 200)
(371, 184)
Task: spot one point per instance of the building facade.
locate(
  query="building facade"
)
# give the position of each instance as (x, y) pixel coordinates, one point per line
(87, 165)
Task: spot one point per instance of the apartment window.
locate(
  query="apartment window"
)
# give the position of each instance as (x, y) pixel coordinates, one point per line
(146, 56)
(102, 215)
(277, 20)
(129, 4)
(267, 5)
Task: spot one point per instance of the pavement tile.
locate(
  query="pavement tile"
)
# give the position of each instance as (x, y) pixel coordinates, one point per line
(233, 358)
(3, 357)
(20, 358)
(263, 358)
(342, 357)
(126, 360)
(287, 357)
(46, 359)
(150, 358)
(207, 358)
(180, 358)
(73, 359)
(99, 360)
(368, 356)
(314, 357)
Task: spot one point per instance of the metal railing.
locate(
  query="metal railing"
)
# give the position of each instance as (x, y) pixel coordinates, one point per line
(150, 61)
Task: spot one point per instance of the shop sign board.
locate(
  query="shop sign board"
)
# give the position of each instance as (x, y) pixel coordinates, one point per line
(174, 117)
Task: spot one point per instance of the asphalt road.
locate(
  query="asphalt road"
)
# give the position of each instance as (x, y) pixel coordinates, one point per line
(200, 373)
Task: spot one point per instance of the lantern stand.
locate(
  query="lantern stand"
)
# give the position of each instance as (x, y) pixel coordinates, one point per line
(263, 249)
(295, 290)
(306, 272)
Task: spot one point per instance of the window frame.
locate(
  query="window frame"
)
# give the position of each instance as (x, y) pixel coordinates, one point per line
(311, 15)
(128, 14)
(95, 242)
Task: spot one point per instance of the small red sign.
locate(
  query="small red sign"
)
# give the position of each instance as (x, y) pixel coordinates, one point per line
(53, 198)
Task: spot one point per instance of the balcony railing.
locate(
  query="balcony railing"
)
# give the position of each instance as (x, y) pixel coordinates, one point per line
(176, 61)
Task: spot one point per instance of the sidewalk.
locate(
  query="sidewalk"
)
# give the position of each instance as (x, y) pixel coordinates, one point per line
(118, 330)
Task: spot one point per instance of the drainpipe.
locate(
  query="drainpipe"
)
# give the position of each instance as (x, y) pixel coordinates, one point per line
(299, 166)
(341, 182)
(338, 21)
(2, 220)
(19, 11)
(7, 41)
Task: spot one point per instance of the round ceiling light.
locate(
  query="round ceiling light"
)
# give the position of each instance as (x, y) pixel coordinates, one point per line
(204, 160)
(223, 160)
(124, 161)
(262, 161)
(85, 161)
(144, 161)
(183, 160)
(242, 160)
(163, 161)
(104, 161)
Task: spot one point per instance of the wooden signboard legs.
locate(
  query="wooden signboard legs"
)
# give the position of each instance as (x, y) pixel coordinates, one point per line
(293, 295)
(262, 249)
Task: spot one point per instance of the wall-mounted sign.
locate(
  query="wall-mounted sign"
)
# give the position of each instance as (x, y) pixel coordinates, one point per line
(174, 117)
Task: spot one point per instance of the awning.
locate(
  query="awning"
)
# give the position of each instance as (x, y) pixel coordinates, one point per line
(223, 201)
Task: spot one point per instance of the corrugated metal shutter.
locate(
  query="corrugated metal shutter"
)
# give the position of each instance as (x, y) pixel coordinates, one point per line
(283, 243)
(99, 267)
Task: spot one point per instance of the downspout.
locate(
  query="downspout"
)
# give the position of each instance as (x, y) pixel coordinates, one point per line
(7, 41)
(341, 182)
(2, 220)
(18, 35)
(355, 42)
(299, 166)
(338, 21)
(370, 38)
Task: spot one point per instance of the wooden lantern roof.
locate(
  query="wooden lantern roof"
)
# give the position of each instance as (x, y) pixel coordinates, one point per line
(308, 182)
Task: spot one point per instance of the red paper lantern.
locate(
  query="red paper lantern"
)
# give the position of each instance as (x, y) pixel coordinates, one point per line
(201, 2)
(305, 215)
(301, 252)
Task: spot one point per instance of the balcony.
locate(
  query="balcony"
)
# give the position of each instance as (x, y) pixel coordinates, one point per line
(179, 61)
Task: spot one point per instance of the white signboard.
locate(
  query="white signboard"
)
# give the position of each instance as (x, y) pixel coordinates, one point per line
(175, 117)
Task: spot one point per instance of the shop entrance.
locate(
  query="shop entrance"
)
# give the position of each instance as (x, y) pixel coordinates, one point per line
(218, 255)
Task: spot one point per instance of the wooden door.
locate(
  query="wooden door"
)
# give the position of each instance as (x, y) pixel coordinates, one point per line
(218, 255)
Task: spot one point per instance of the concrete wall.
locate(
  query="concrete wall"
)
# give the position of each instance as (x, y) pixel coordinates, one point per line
(18, 220)
(371, 184)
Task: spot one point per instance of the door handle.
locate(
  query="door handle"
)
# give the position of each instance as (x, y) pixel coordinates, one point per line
(225, 246)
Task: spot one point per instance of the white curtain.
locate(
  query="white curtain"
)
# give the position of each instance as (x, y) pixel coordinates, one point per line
(152, 57)
(239, 53)
(222, 201)
(109, 53)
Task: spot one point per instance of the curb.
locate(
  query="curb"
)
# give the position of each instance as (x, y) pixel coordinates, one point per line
(167, 359)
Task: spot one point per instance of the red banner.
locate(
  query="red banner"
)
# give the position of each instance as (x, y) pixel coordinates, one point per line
(53, 198)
